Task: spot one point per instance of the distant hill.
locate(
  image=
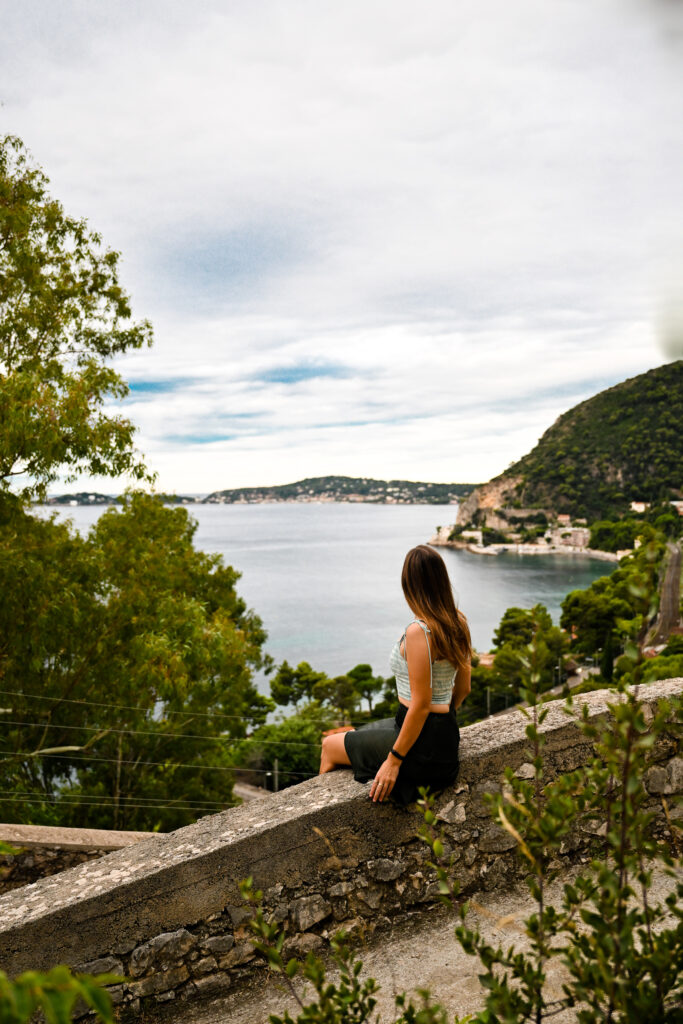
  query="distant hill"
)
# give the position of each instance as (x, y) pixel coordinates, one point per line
(94, 498)
(624, 444)
(82, 498)
(347, 488)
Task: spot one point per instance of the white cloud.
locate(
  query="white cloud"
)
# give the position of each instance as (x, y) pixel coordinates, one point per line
(470, 208)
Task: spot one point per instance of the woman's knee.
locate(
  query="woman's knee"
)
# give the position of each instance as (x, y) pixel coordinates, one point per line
(334, 749)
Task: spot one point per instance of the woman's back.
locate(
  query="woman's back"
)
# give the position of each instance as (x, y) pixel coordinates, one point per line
(442, 671)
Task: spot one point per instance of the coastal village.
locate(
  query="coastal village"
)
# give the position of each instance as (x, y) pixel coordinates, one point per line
(527, 531)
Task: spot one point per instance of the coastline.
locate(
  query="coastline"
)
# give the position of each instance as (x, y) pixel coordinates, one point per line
(525, 549)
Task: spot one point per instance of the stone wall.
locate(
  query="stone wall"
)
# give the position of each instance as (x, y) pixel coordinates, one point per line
(44, 850)
(27, 866)
(167, 912)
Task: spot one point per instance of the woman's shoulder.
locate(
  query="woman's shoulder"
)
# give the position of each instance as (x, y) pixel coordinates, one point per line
(416, 627)
(415, 634)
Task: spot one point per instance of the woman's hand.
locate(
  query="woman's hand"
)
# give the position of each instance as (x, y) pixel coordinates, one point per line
(384, 780)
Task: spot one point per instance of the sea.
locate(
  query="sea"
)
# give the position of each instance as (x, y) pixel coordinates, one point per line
(325, 578)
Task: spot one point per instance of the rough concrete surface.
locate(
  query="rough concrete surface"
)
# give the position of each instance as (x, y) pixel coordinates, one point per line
(46, 836)
(421, 952)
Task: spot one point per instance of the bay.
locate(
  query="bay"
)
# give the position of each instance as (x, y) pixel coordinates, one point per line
(325, 578)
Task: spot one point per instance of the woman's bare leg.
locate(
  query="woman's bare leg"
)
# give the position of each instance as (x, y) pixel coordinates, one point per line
(333, 754)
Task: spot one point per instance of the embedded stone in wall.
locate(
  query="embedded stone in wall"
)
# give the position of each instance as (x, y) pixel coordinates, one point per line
(161, 952)
(103, 965)
(218, 943)
(309, 910)
(496, 840)
(384, 870)
(665, 780)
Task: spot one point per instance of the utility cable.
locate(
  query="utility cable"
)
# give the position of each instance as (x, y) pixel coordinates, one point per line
(153, 732)
(134, 707)
(95, 803)
(162, 735)
(77, 797)
(156, 764)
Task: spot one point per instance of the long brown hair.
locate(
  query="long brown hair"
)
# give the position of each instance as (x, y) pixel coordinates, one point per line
(427, 590)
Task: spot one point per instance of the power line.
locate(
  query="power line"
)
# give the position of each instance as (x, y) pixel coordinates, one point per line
(94, 803)
(79, 797)
(124, 707)
(157, 764)
(136, 707)
(153, 732)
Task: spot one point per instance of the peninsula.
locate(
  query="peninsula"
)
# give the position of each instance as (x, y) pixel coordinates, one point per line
(346, 488)
(312, 489)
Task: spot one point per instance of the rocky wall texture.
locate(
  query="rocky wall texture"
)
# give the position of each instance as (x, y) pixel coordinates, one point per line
(27, 866)
(167, 913)
(42, 850)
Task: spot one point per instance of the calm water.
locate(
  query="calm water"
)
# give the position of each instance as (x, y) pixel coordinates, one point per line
(325, 579)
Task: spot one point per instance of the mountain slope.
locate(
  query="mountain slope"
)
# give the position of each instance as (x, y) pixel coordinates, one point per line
(624, 444)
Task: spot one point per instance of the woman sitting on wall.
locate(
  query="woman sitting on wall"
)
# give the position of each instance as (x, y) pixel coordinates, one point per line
(431, 663)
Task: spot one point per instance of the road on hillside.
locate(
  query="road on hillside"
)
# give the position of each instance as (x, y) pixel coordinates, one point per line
(670, 597)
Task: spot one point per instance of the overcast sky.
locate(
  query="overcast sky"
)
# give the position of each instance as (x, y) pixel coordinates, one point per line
(374, 238)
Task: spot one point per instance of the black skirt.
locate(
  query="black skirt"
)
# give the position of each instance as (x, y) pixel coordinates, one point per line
(432, 761)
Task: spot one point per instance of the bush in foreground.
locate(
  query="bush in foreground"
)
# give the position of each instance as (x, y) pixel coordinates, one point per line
(621, 951)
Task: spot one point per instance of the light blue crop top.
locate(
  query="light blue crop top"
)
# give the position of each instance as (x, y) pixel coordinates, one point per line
(442, 673)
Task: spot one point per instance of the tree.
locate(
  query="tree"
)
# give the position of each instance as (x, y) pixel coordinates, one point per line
(340, 693)
(63, 315)
(367, 685)
(294, 743)
(126, 661)
(620, 604)
(591, 615)
(607, 658)
(516, 627)
(292, 685)
(614, 535)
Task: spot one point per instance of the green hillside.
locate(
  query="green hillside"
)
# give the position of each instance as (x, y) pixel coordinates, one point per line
(347, 488)
(625, 444)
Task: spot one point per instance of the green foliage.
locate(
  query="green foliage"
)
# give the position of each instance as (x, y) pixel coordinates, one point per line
(620, 605)
(621, 952)
(491, 536)
(498, 687)
(674, 646)
(516, 627)
(663, 667)
(367, 685)
(614, 535)
(320, 703)
(150, 634)
(293, 685)
(665, 519)
(619, 948)
(340, 692)
(55, 994)
(294, 743)
(63, 316)
(624, 444)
